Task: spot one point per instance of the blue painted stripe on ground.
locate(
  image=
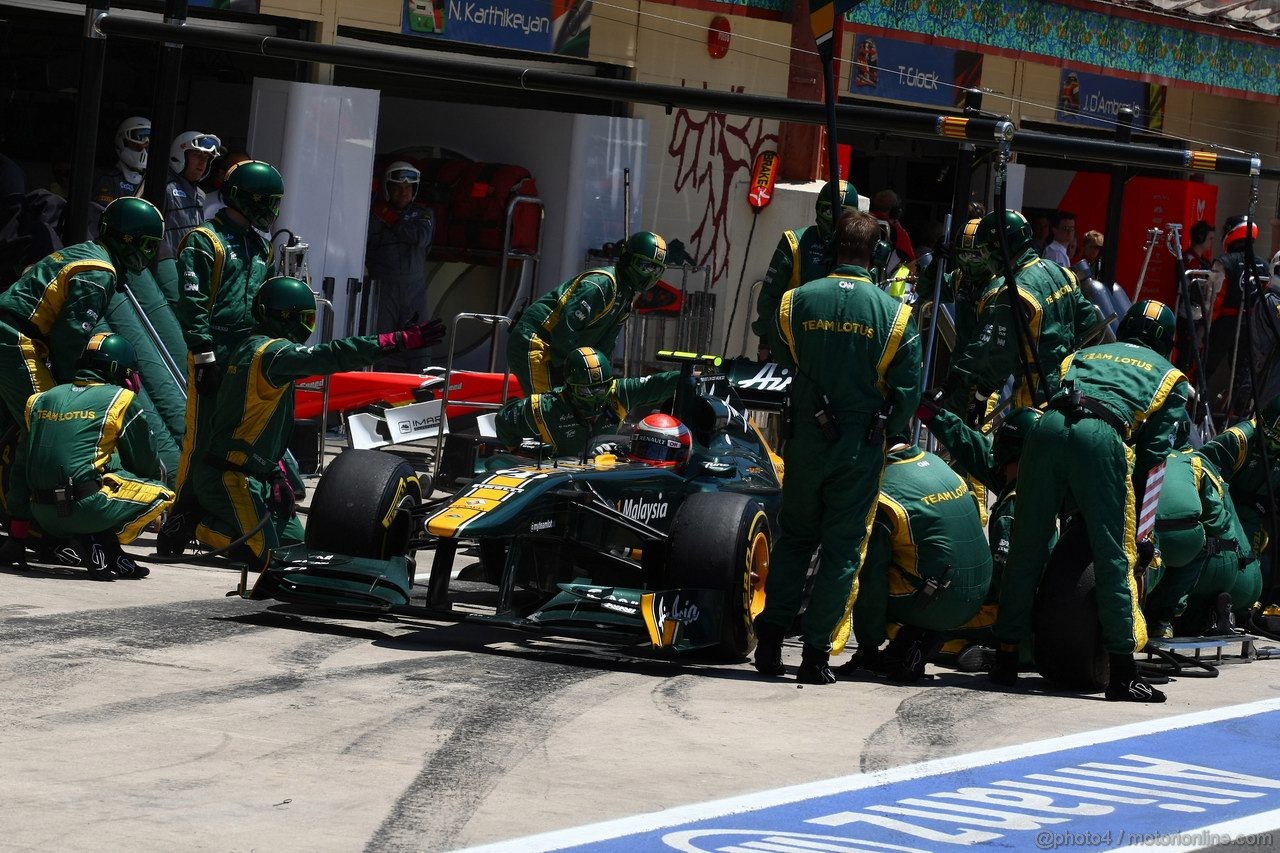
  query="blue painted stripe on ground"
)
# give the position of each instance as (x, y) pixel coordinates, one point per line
(1148, 784)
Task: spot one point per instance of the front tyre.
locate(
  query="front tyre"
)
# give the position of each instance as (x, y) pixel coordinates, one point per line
(721, 541)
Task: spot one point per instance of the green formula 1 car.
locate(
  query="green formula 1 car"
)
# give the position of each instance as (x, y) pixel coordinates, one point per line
(600, 548)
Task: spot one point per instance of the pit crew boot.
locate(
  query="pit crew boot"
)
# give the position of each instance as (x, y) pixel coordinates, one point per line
(1222, 621)
(1126, 685)
(905, 657)
(14, 554)
(176, 534)
(865, 659)
(1005, 671)
(769, 649)
(814, 668)
(121, 563)
(94, 558)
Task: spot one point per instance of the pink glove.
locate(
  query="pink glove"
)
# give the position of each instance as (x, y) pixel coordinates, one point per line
(133, 382)
(19, 528)
(414, 336)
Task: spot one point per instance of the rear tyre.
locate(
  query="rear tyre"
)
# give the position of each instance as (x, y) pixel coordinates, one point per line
(1067, 634)
(721, 541)
(360, 506)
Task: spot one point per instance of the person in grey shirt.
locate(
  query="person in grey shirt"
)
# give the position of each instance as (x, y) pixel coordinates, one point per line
(400, 233)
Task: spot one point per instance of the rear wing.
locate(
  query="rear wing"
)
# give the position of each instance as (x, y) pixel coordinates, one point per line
(759, 386)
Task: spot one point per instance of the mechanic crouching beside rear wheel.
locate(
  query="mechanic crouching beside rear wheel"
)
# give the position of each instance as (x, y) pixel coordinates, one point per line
(87, 464)
(239, 479)
(856, 355)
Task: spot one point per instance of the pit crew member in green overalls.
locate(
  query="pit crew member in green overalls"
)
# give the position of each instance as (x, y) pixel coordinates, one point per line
(803, 254)
(50, 313)
(1238, 453)
(591, 403)
(927, 567)
(239, 476)
(1059, 317)
(221, 265)
(1204, 553)
(1111, 422)
(87, 465)
(855, 354)
(588, 310)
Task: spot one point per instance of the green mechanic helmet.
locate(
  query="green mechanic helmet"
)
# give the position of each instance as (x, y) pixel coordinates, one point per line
(588, 378)
(285, 308)
(822, 207)
(1017, 232)
(1269, 423)
(254, 189)
(109, 357)
(1007, 446)
(969, 254)
(131, 229)
(643, 261)
(1150, 324)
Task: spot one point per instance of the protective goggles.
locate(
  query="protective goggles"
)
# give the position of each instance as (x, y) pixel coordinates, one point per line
(974, 257)
(590, 395)
(308, 319)
(208, 143)
(140, 136)
(648, 268)
(403, 176)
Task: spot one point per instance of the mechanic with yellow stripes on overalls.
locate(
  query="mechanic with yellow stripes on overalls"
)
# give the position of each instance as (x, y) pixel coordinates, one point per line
(1208, 572)
(927, 566)
(50, 313)
(992, 460)
(588, 310)
(1238, 453)
(239, 477)
(855, 355)
(1059, 317)
(591, 403)
(803, 254)
(1112, 421)
(221, 265)
(88, 466)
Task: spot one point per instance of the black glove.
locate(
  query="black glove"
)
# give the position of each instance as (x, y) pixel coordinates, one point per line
(930, 405)
(283, 500)
(208, 374)
(604, 447)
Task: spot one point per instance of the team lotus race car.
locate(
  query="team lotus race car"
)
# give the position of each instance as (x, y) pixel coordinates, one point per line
(596, 548)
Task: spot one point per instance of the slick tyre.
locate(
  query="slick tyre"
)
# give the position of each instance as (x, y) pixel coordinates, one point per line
(357, 507)
(1067, 633)
(721, 540)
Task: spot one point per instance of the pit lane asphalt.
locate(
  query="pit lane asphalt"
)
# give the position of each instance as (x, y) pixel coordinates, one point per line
(161, 715)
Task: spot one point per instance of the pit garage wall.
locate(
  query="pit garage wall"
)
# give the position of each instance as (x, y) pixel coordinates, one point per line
(697, 167)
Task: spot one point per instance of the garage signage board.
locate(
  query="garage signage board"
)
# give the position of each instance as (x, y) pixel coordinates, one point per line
(1179, 783)
(547, 26)
(910, 71)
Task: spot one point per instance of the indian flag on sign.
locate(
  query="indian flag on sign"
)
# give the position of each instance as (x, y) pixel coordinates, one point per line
(1150, 497)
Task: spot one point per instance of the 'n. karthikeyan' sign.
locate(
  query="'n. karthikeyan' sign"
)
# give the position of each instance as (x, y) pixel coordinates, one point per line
(547, 26)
